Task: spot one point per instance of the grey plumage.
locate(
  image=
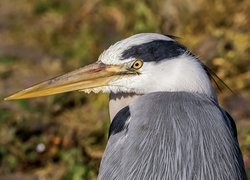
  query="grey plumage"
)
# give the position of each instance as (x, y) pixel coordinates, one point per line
(166, 121)
(173, 135)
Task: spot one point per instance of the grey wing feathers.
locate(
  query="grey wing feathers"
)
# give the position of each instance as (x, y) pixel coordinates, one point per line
(231, 124)
(110, 166)
(173, 136)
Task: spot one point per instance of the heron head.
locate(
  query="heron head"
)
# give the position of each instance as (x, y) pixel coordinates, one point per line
(141, 64)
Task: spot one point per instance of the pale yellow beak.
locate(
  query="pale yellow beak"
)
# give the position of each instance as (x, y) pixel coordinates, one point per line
(89, 77)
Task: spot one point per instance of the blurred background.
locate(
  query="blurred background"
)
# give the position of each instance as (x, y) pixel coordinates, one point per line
(63, 136)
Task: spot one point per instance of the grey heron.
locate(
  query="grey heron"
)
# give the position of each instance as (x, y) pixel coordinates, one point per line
(166, 122)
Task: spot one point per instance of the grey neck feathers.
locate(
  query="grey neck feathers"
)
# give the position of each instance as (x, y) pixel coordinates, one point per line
(119, 101)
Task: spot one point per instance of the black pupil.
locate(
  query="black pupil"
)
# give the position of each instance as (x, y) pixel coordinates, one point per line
(137, 64)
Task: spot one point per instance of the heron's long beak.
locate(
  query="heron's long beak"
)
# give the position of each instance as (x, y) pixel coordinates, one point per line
(91, 76)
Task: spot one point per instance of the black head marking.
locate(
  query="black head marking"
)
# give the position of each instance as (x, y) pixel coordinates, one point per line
(172, 36)
(119, 122)
(155, 51)
(218, 81)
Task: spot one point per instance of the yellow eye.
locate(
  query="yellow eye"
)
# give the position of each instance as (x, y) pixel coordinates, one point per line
(137, 64)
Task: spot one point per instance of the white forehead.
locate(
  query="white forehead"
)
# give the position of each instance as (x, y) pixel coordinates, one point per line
(113, 54)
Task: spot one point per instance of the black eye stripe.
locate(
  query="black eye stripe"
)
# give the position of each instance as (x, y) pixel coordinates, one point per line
(155, 51)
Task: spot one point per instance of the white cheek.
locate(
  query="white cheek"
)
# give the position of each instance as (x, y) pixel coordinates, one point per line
(153, 77)
(180, 74)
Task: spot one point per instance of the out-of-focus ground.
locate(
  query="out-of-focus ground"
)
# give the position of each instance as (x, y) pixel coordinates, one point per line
(63, 136)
